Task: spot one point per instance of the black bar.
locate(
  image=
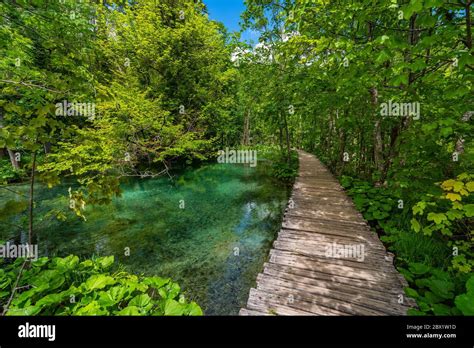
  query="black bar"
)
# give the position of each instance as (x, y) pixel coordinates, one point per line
(290, 331)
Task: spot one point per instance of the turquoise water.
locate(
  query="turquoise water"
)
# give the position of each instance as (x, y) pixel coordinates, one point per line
(209, 229)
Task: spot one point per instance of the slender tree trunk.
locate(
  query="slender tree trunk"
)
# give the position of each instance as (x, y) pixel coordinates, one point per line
(362, 159)
(13, 160)
(288, 143)
(342, 148)
(378, 142)
(391, 152)
(31, 203)
(280, 128)
(468, 25)
(460, 142)
(47, 147)
(246, 135)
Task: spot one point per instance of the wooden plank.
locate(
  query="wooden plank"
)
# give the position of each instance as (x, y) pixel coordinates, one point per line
(347, 285)
(328, 230)
(316, 239)
(328, 201)
(302, 297)
(338, 280)
(323, 214)
(272, 304)
(278, 304)
(333, 266)
(332, 298)
(313, 237)
(249, 312)
(324, 206)
(357, 254)
(330, 223)
(324, 226)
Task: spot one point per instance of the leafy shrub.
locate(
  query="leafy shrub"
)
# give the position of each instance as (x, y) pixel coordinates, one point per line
(436, 262)
(449, 215)
(284, 171)
(8, 174)
(375, 203)
(66, 286)
(436, 291)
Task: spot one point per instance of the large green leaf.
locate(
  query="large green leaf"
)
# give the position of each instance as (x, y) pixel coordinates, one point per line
(438, 218)
(66, 263)
(174, 308)
(130, 310)
(194, 309)
(415, 225)
(91, 309)
(142, 300)
(441, 288)
(105, 262)
(469, 209)
(156, 282)
(465, 303)
(27, 311)
(99, 281)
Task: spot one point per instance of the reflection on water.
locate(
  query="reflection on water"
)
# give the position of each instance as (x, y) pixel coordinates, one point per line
(213, 245)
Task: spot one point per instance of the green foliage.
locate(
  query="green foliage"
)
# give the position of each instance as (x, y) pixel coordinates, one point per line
(448, 211)
(67, 286)
(449, 214)
(435, 265)
(158, 72)
(375, 203)
(435, 291)
(8, 173)
(283, 170)
(465, 302)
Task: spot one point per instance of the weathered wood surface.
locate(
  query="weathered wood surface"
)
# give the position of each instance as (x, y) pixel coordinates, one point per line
(303, 276)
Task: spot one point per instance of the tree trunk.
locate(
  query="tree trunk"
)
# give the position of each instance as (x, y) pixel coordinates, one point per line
(31, 203)
(468, 25)
(288, 143)
(13, 160)
(391, 152)
(246, 135)
(378, 142)
(280, 128)
(460, 142)
(342, 148)
(47, 147)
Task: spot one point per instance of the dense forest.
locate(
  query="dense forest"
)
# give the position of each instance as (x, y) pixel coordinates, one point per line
(97, 92)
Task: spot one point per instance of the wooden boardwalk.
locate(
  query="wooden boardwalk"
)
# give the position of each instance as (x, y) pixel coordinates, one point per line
(326, 260)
